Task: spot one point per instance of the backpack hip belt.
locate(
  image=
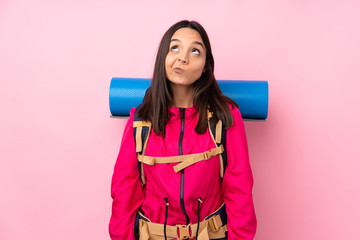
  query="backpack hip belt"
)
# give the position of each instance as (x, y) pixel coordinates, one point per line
(214, 226)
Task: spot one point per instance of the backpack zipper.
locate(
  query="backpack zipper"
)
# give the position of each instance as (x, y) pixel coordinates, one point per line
(182, 118)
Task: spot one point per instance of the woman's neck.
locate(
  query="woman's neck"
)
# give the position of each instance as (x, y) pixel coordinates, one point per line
(183, 95)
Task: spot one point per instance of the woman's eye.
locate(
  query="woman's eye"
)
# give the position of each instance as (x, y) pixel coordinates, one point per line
(174, 48)
(196, 51)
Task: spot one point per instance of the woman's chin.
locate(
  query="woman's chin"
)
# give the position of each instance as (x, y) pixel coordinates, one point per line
(178, 81)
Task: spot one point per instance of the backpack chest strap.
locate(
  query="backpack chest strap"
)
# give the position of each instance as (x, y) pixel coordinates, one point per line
(184, 160)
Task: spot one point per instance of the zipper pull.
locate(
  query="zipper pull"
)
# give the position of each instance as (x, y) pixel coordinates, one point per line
(166, 215)
(182, 112)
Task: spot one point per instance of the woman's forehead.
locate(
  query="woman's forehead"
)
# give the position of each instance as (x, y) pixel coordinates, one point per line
(186, 34)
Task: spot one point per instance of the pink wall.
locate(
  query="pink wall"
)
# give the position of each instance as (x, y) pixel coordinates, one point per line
(58, 144)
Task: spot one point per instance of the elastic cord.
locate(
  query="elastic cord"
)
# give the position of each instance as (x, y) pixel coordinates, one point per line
(166, 214)
(198, 222)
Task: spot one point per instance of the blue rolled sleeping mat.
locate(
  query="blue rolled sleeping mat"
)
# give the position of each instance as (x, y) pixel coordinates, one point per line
(251, 96)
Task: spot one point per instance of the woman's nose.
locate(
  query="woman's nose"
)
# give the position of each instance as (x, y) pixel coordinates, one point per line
(183, 59)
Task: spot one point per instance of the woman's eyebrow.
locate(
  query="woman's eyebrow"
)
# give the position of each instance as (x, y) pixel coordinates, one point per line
(196, 42)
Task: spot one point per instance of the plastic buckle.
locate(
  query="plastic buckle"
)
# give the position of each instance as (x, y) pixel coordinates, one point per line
(183, 231)
(222, 148)
(215, 223)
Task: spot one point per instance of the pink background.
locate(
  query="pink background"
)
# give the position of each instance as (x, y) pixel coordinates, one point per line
(58, 145)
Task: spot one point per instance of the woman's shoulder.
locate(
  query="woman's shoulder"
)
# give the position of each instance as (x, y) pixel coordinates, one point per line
(132, 110)
(233, 108)
(132, 113)
(236, 114)
(130, 121)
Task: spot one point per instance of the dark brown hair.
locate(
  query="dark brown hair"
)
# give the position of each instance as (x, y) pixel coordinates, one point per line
(159, 97)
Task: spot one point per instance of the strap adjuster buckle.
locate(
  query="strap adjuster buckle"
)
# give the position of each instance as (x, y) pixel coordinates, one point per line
(222, 148)
(215, 223)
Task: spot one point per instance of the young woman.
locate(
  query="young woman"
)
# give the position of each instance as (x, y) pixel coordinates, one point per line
(181, 180)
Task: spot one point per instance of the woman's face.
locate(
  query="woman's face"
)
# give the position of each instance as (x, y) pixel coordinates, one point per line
(185, 61)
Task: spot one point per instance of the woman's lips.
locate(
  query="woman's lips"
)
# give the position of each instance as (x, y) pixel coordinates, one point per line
(178, 70)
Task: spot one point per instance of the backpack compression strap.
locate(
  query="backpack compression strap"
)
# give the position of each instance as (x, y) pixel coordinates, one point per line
(184, 160)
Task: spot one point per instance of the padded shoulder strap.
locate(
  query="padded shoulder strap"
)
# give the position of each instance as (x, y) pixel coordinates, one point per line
(141, 134)
(218, 134)
(141, 131)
